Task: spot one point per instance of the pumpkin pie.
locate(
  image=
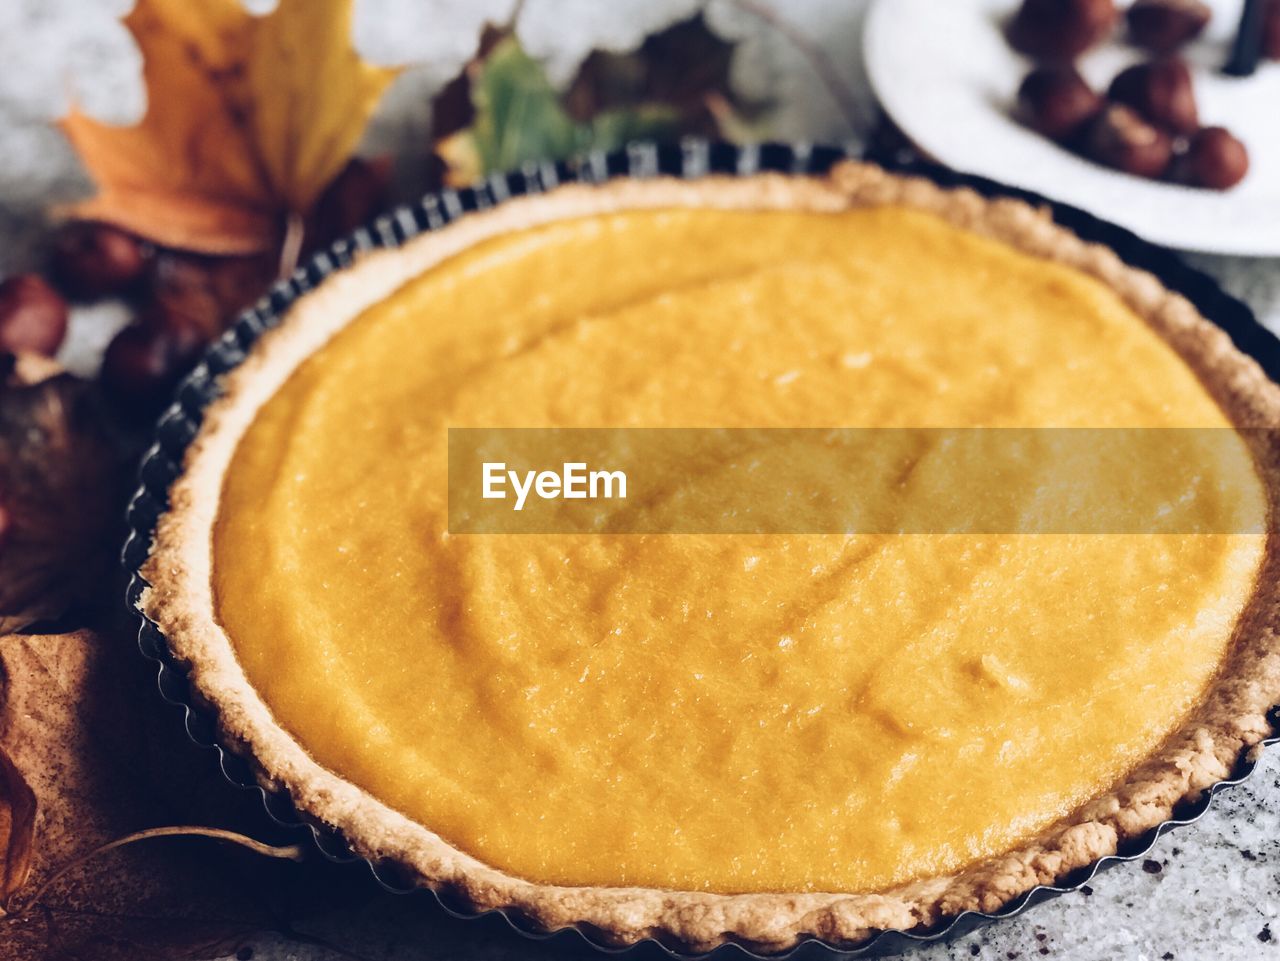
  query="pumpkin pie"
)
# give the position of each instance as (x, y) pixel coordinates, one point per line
(708, 738)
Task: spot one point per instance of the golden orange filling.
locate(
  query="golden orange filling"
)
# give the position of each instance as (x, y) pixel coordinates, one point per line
(726, 713)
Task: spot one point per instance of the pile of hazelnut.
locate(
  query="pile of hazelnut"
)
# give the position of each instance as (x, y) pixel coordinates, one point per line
(180, 302)
(1147, 123)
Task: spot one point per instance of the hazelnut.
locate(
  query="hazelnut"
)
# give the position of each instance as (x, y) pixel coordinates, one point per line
(207, 292)
(182, 294)
(1057, 102)
(238, 282)
(33, 317)
(27, 369)
(93, 260)
(1214, 158)
(1061, 29)
(145, 361)
(1161, 91)
(1271, 30)
(1120, 138)
(1163, 26)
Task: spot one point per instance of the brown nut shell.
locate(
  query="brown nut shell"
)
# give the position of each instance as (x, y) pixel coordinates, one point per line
(145, 361)
(1061, 30)
(1214, 159)
(1057, 102)
(93, 260)
(1162, 92)
(33, 316)
(1162, 26)
(1271, 30)
(1122, 139)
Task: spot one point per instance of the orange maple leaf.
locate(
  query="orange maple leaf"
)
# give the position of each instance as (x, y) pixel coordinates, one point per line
(248, 119)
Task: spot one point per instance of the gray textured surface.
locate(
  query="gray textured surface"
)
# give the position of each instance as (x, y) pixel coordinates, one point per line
(1212, 890)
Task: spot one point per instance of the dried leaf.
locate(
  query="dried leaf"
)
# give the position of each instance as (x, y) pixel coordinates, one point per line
(735, 124)
(360, 191)
(62, 486)
(451, 108)
(248, 120)
(17, 829)
(677, 66)
(79, 720)
(517, 117)
(503, 111)
(70, 721)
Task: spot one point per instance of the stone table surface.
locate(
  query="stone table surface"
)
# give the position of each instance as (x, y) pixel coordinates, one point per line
(1210, 890)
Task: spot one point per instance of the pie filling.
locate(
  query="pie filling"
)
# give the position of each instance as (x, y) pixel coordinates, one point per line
(733, 713)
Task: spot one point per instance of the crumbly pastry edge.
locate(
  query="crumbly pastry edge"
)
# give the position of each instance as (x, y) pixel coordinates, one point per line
(1231, 719)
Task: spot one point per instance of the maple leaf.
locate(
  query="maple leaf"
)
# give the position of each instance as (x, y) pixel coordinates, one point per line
(17, 828)
(81, 726)
(72, 730)
(249, 118)
(503, 111)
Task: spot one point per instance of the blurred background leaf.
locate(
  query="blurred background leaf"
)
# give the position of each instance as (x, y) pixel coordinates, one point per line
(503, 111)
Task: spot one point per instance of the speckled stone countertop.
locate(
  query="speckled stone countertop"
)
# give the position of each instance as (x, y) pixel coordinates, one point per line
(1209, 890)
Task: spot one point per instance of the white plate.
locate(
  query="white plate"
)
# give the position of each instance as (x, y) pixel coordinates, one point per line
(945, 74)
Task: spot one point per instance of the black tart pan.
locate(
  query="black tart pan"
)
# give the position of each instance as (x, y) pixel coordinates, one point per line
(687, 159)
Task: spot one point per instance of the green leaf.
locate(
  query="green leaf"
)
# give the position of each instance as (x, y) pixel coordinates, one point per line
(504, 112)
(615, 128)
(518, 116)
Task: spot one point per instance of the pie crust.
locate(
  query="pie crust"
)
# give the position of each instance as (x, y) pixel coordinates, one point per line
(1231, 719)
